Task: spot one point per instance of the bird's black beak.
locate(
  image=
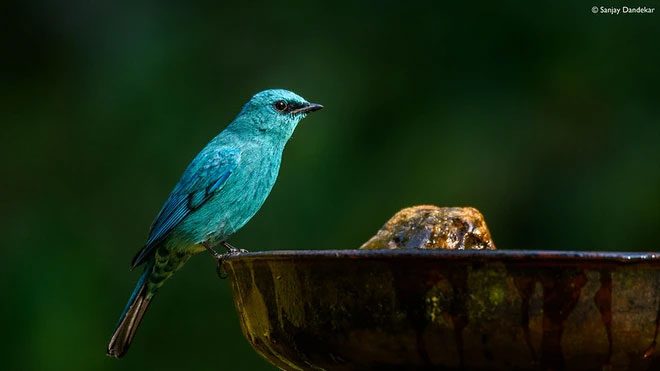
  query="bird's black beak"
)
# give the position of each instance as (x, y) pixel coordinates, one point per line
(310, 107)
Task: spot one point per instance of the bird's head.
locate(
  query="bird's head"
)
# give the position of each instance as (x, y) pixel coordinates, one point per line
(274, 113)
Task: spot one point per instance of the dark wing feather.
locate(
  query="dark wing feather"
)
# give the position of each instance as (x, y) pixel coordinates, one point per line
(205, 177)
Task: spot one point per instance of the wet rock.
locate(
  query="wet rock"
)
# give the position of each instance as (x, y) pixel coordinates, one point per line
(432, 227)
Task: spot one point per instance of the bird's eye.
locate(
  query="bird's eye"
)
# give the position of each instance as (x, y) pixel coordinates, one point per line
(280, 105)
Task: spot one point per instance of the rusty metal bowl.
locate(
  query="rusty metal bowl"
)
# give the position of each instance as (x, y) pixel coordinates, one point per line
(431, 309)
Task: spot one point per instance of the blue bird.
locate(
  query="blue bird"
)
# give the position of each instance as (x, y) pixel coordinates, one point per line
(219, 192)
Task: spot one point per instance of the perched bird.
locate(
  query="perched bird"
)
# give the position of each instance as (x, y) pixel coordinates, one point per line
(220, 190)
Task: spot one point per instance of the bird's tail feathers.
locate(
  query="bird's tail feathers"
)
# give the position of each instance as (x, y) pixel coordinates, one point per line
(130, 318)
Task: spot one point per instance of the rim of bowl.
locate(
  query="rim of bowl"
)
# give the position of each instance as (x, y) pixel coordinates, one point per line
(513, 256)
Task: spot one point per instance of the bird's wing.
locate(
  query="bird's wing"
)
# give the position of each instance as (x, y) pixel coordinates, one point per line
(198, 184)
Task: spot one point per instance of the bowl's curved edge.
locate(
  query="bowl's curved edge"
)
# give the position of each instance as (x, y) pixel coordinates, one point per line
(652, 258)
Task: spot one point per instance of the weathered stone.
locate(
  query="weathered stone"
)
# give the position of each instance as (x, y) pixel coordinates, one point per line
(432, 227)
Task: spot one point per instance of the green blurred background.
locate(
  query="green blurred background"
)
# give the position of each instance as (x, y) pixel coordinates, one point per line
(545, 118)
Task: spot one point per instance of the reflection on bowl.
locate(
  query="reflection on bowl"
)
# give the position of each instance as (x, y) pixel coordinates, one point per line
(417, 309)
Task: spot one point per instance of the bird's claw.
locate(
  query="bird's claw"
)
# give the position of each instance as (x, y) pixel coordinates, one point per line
(220, 270)
(231, 251)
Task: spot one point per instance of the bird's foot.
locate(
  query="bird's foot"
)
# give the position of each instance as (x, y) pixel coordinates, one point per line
(219, 258)
(220, 270)
(232, 249)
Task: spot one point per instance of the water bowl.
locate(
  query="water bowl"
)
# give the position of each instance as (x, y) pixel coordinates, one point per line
(462, 310)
